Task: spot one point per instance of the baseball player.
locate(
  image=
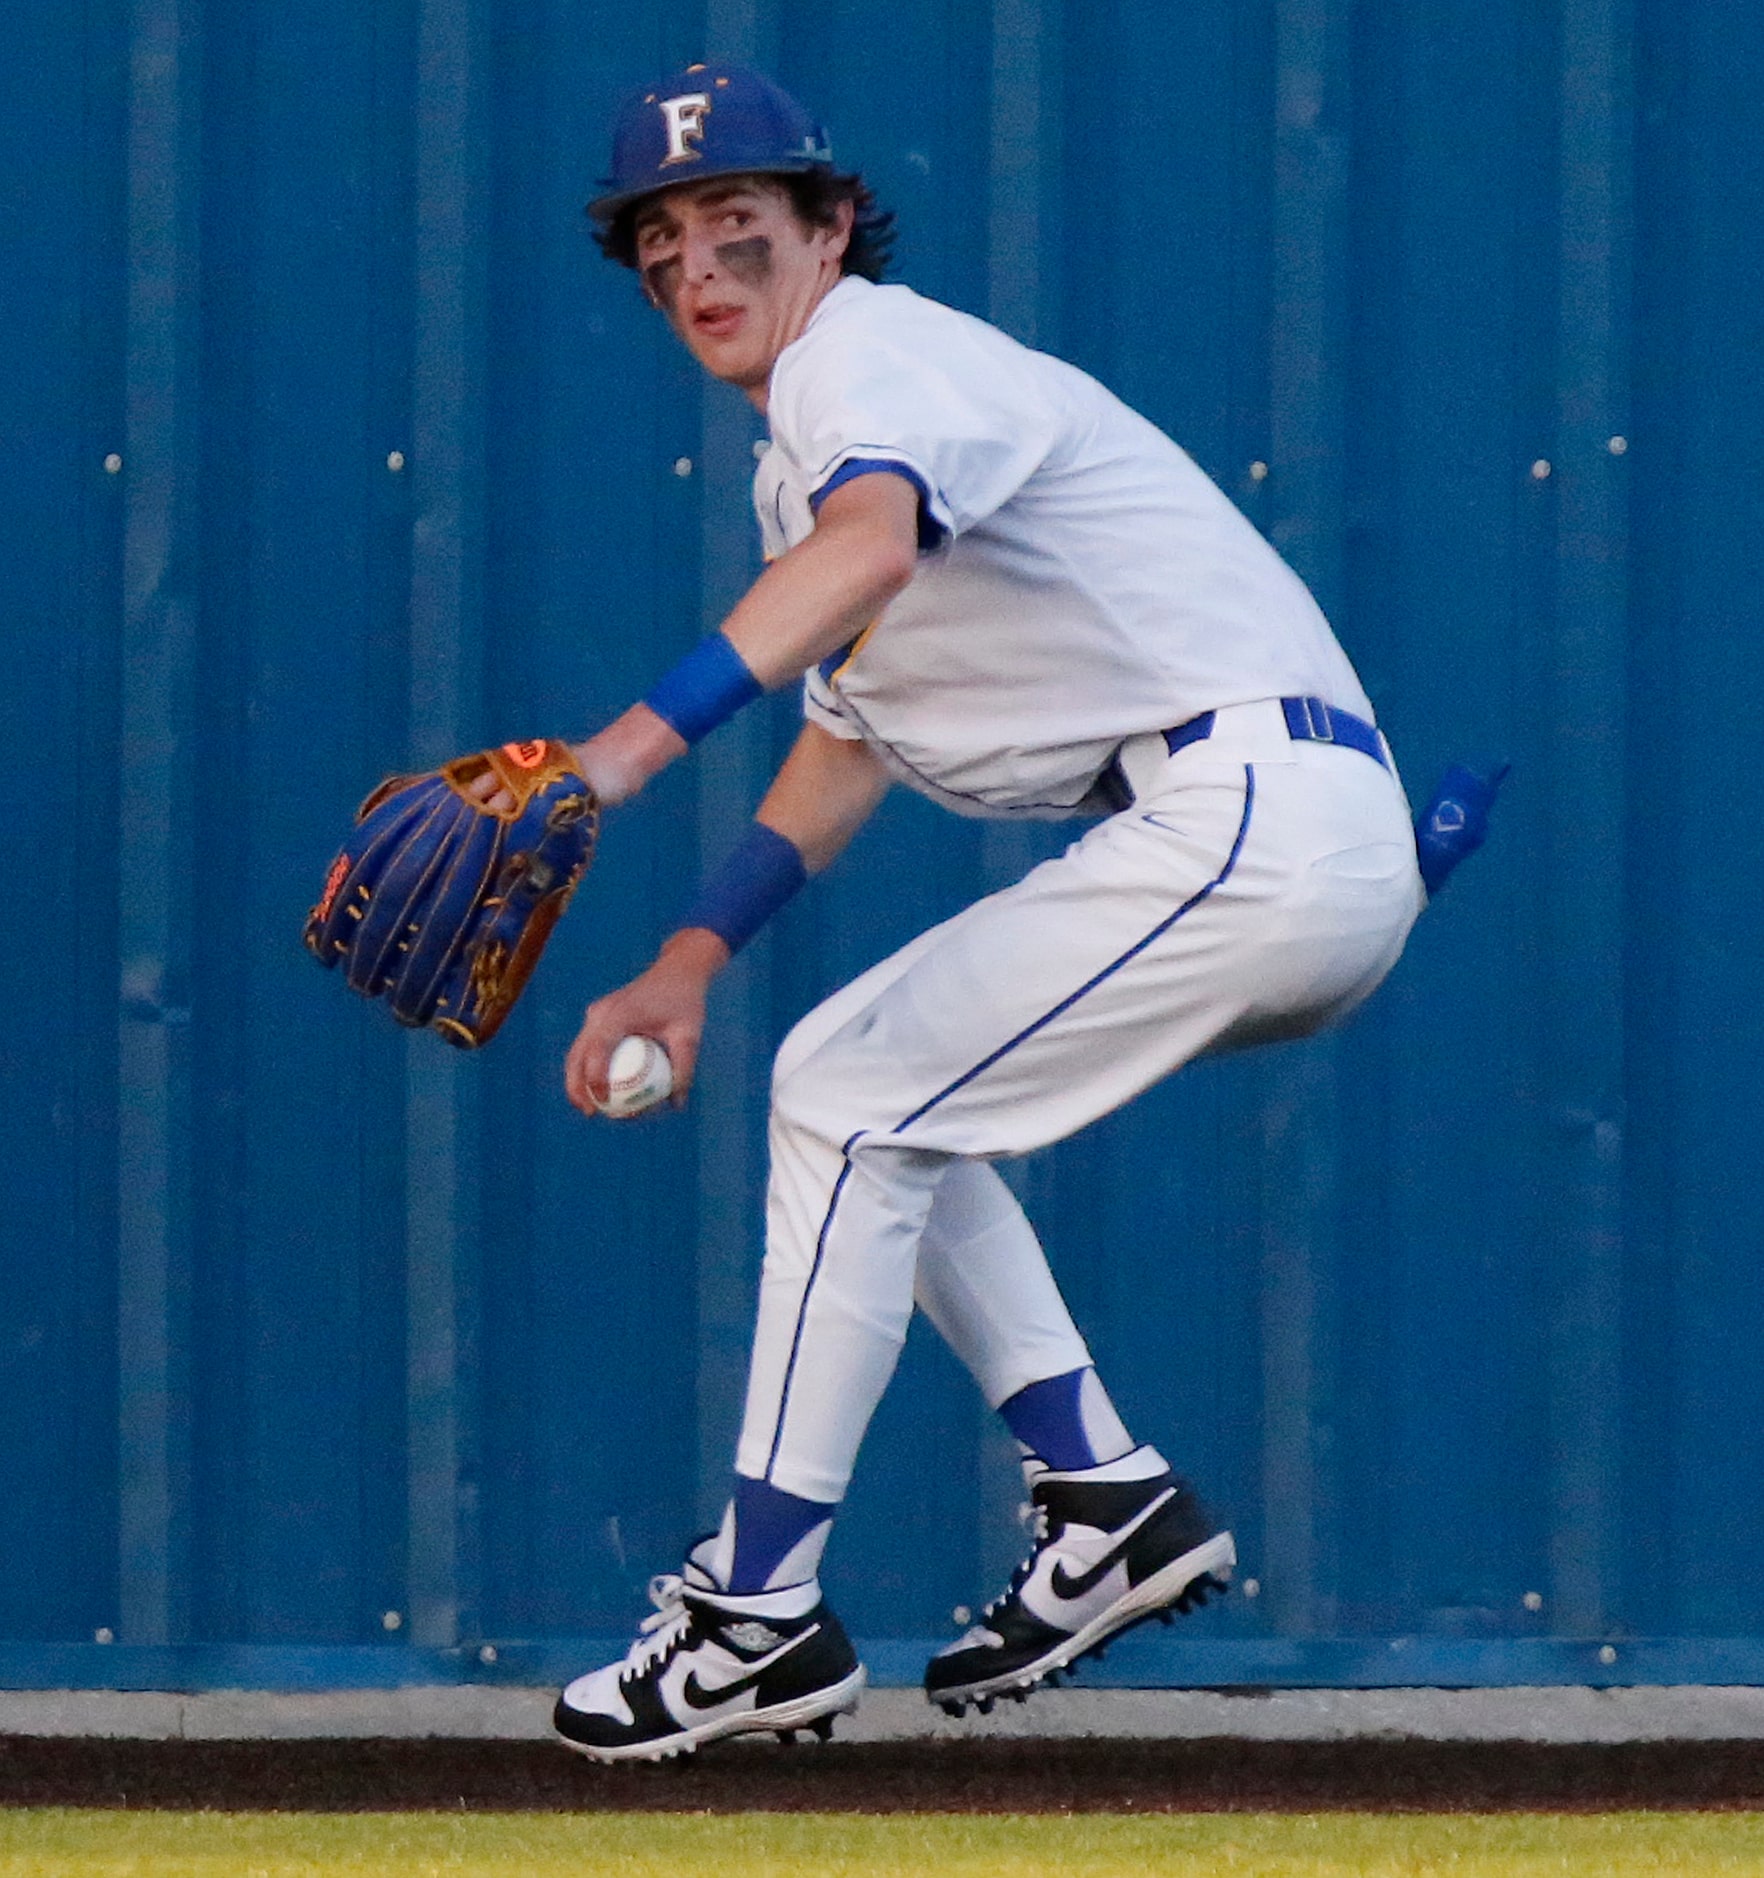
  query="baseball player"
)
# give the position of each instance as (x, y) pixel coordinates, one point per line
(1001, 587)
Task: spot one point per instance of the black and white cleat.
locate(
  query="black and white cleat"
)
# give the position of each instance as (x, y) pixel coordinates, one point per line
(1116, 1546)
(710, 1664)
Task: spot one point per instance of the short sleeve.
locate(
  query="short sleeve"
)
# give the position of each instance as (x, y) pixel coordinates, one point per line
(960, 419)
(932, 532)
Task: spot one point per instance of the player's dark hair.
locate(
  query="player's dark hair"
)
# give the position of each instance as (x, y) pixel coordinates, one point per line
(815, 196)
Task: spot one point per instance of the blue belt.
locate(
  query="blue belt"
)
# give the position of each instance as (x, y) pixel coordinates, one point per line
(1308, 720)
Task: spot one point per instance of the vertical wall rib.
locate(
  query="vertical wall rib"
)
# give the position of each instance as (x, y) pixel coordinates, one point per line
(1584, 1019)
(446, 711)
(156, 809)
(730, 772)
(1299, 1149)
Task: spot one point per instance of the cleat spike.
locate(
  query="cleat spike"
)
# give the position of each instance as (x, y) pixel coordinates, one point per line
(787, 1737)
(822, 1728)
(984, 1704)
(1166, 1616)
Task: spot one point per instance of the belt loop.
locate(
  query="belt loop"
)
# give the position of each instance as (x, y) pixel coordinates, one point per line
(1310, 720)
(1196, 730)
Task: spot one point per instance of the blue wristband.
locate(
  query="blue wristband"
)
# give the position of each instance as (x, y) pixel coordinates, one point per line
(764, 870)
(710, 684)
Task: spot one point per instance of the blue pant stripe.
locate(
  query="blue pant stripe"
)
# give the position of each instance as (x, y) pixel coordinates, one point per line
(802, 1308)
(1108, 971)
(961, 1082)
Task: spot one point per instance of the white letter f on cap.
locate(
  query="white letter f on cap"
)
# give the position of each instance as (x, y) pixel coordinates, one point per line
(685, 121)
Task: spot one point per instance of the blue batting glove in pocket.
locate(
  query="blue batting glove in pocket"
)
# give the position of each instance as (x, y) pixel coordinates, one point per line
(1455, 823)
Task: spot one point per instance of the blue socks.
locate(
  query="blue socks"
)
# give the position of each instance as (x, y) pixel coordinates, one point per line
(1068, 1421)
(772, 1538)
(778, 1538)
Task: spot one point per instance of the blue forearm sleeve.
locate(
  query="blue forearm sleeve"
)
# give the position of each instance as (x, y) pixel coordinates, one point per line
(711, 683)
(750, 886)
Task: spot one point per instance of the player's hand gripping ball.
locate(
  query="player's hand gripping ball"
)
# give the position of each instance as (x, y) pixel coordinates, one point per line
(442, 905)
(638, 1076)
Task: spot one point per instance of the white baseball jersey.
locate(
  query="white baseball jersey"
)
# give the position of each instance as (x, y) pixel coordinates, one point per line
(1083, 579)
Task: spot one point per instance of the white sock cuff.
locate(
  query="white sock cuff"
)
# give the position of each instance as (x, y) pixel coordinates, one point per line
(1143, 1463)
(803, 1561)
(787, 1602)
(716, 1555)
(1104, 1429)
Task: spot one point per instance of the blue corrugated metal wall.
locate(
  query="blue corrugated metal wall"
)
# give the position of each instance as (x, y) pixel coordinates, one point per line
(328, 444)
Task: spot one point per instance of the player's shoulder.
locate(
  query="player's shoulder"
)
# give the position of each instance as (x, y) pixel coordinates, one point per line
(857, 317)
(880, 349)
(862, 320)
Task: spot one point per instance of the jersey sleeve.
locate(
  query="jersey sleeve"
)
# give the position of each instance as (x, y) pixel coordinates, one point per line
(966, 430)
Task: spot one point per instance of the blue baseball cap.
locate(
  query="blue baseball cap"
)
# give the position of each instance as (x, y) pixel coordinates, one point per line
(709, 120)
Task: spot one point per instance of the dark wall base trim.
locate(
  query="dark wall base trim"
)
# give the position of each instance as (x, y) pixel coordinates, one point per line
(1249, 1664)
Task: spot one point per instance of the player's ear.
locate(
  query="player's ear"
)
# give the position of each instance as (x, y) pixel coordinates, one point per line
(839, 231)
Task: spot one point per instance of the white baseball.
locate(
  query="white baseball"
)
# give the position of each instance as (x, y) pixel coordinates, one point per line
(638, 1076)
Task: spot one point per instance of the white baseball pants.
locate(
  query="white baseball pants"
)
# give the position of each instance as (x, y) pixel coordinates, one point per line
(1256, 889)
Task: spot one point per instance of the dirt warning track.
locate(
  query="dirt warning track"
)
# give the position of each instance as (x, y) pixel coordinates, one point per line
(983, 1776)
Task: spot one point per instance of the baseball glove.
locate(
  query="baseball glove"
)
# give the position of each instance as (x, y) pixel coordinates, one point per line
(441, 906)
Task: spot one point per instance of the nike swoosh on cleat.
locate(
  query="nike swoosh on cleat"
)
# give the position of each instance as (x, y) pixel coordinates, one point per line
(697, 1696)
(1064, 1585)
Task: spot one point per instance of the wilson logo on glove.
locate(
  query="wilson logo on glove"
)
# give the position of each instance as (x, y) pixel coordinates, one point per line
(440, 905)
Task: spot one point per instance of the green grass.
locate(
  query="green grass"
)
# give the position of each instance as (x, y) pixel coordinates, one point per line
(64, 1843)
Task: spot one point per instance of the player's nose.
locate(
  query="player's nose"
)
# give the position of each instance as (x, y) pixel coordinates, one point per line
(698, 253)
